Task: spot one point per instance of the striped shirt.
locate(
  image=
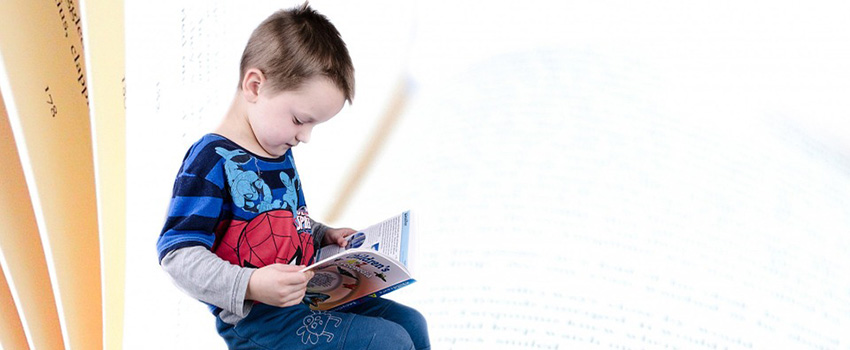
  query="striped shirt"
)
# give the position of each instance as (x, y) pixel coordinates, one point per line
(247, 209)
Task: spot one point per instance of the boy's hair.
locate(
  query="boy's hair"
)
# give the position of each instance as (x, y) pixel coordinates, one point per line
(294, 45)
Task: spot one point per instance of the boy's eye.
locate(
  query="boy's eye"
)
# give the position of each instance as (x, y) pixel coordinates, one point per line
(296, 120)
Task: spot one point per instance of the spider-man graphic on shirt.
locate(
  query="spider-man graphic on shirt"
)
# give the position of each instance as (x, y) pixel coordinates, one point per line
(273, 235)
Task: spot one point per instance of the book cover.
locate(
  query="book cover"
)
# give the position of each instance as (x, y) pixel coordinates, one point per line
(373, 263)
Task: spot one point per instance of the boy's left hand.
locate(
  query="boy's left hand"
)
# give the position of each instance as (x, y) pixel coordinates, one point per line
(337, 236)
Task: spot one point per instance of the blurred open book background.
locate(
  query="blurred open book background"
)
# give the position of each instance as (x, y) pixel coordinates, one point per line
(610, 174)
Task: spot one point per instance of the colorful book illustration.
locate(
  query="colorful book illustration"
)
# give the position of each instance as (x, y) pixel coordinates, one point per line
(374, 262)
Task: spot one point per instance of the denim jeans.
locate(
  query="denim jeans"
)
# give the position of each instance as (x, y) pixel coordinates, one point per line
(376, 324)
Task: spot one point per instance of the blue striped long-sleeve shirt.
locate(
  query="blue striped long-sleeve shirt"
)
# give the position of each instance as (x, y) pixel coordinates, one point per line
(248, 209)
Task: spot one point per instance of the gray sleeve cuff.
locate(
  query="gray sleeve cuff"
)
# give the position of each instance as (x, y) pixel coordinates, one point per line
(318, 232)
(206, 277)
(239, 306)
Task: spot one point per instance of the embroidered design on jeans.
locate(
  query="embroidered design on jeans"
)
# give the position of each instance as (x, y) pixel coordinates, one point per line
(316, 326)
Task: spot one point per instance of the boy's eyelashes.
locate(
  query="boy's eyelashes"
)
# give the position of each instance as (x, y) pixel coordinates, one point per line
(297, 121)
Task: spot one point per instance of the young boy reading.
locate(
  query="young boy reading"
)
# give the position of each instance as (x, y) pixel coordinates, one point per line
(238, 230)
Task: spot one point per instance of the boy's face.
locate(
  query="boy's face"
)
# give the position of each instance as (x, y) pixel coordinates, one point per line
(281, 120)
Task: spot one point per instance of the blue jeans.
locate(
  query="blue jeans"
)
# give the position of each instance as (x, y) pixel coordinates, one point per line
(376, 324)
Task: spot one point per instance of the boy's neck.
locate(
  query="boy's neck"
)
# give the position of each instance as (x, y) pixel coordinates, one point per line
(236, 127)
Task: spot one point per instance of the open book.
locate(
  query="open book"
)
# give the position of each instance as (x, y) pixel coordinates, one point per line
(373, 263)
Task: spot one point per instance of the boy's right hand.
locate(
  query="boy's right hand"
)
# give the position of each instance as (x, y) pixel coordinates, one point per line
(278, 285)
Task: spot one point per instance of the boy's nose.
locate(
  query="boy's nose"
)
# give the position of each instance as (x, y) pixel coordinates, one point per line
(304, 135)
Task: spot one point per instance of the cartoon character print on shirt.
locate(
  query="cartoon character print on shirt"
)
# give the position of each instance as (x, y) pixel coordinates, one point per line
(247, 189)
(270, 237)
(280, 233)
(290, 198)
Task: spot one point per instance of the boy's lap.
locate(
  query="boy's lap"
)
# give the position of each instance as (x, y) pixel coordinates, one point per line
(299, 327)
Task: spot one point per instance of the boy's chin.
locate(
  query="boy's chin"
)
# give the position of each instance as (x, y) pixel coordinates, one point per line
(276, 153)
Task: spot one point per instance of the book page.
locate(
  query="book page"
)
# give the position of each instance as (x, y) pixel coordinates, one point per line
(390, 237)
(21, 253)
(569, 205)
(43, 80)
(103, 24)
(393, 234)
(12, 333)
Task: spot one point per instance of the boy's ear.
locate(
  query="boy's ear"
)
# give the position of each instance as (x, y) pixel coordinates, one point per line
(251, 84)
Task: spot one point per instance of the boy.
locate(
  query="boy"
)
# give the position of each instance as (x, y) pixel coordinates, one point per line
(238, 230)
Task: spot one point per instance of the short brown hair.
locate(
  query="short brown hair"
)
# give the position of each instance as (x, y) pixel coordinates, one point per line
(294, 45)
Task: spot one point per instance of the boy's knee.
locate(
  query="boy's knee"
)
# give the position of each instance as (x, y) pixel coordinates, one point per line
(417, 319)
(391, 336)
(412, 319)
(418, 329)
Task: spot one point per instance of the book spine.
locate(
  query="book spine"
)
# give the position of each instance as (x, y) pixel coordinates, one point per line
(405, 236)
